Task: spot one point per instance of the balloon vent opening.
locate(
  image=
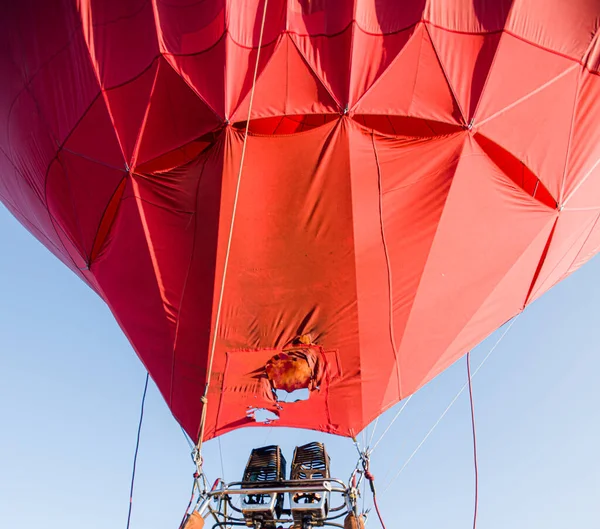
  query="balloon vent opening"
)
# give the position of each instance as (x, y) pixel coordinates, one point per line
(266, 466)
(294, 372)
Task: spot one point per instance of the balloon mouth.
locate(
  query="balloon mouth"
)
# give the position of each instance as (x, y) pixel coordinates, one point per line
(299, 366)
(265, 385)
(292, 374)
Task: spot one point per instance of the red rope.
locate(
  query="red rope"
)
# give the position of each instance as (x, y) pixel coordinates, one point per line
(187, 509)
(371, 479)
(377, 511)
(474, 440)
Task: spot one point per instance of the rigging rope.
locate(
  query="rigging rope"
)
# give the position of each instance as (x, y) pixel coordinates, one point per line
(372, 433)
(462, 389)
(187, 509)
(474, 439)
(364, 459)
(371, 478)
(221, 458)
(398, 413)
(204, 398)
(137, 447)
(364, 496)
(187, 439)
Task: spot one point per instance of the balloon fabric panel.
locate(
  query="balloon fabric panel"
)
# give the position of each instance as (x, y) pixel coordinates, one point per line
(415, 174)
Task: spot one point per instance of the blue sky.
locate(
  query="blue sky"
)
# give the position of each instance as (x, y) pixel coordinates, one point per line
(70, 389)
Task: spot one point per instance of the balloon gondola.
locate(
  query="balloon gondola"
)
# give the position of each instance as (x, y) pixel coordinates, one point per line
(310, 492)
(340, 198)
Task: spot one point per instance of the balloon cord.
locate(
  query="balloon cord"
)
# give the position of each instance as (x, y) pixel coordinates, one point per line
(204, 398)
(377, 511)
(187, 509)
(398, 413)
(371, 479)
(137, 446)
(474, 439)
(460, 392)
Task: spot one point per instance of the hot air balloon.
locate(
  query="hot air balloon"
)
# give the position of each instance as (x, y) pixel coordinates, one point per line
(278, 195)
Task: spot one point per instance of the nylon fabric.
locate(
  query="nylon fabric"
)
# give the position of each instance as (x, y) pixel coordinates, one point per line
(416, 174)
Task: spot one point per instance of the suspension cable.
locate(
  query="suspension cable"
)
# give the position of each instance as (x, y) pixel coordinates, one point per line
(398, 413)
(366, 462)
(204, 398)
(137, 447)
(411, 396)
(373, 433)
(221, 459)
(460, 392)
(187, 509)
(474, 439)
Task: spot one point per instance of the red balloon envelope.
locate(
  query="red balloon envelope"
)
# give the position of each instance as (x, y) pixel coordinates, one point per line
(415, 174)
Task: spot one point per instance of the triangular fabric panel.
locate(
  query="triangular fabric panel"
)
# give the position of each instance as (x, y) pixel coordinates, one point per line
(95, 138)
(169, 233)
(329, 58)
(537, 130)
(239, 74)
(61, 208)
(467, 60)
(589, 248)
(127, 278)
(371, 56)
(128, 106)
(413, 85)
(204, 72)
(85, 199)
(176, 116)
(503, 303)
(584, 194)
(487, 224)
(582, 178)
(519, 70)
(119, 29)
(516, 170)
(572, 231)
(286, 86)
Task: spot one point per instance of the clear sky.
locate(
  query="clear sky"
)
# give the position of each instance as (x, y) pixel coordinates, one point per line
(70, 390)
